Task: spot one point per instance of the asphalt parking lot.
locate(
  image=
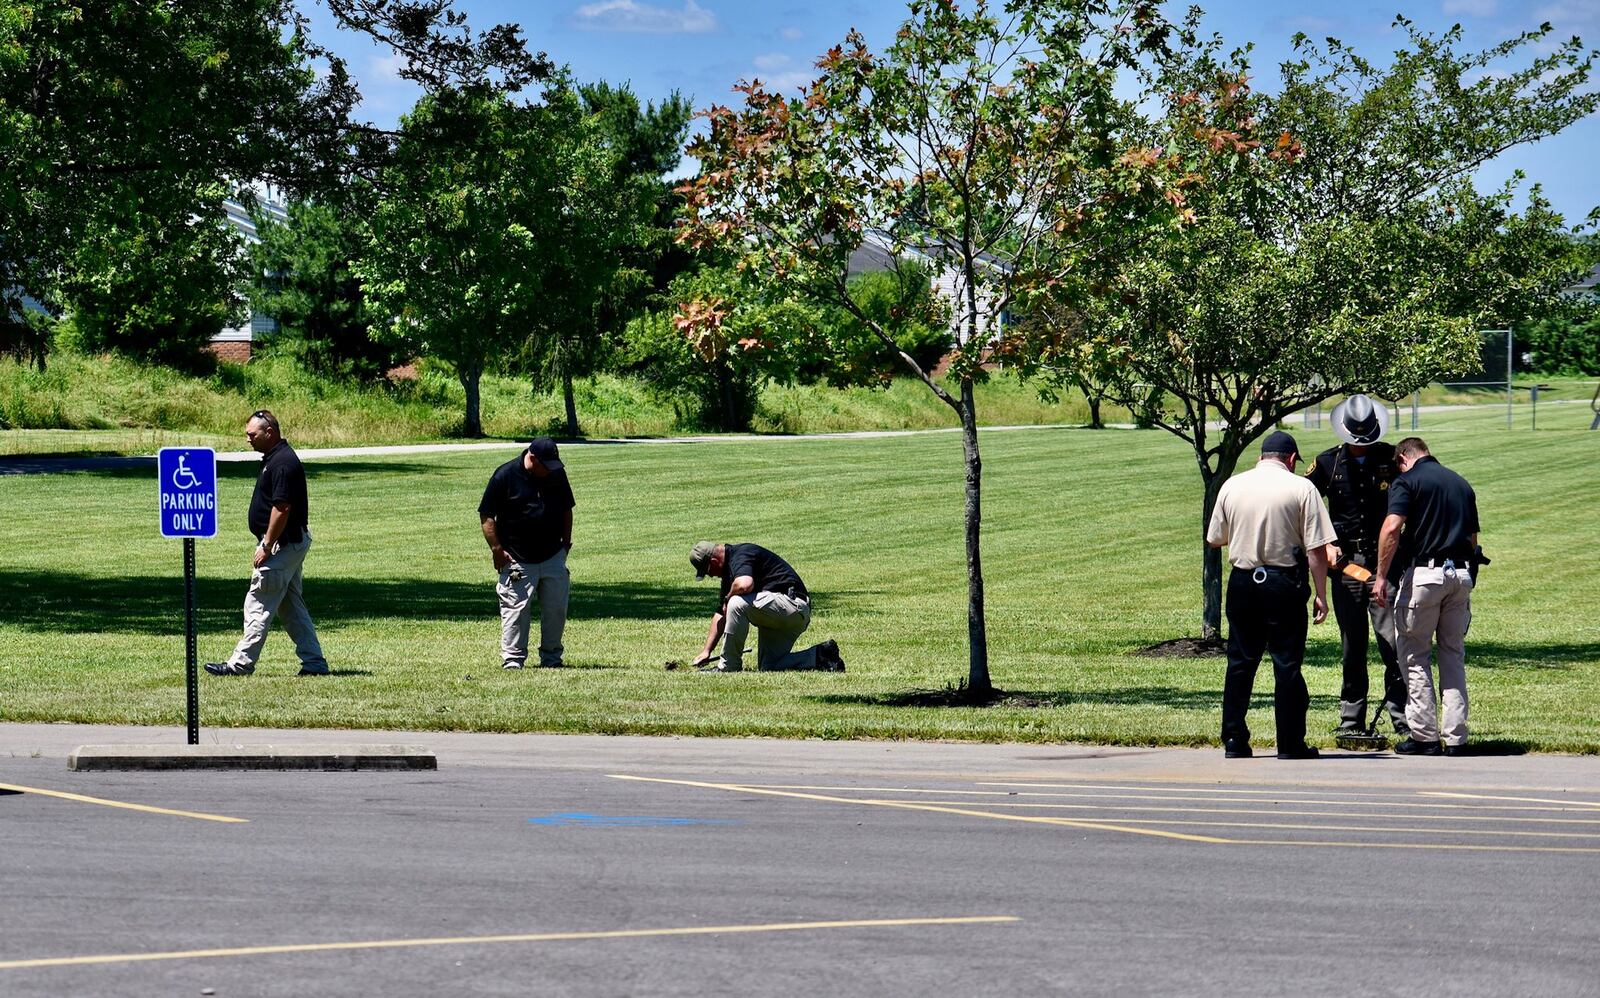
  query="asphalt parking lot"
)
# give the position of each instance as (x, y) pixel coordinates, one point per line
(661, 866)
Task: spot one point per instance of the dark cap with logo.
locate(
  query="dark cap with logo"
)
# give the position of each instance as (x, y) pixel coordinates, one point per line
(700, 557)
(544, 449)
(1279, 442)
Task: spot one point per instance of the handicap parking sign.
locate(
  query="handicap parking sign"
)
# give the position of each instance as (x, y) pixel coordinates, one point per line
(188, 481)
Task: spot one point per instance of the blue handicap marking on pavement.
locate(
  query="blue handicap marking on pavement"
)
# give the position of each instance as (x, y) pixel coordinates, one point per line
(580, 819)
(187, 477)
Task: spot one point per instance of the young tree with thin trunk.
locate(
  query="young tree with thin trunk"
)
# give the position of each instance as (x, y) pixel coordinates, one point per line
(979, 139)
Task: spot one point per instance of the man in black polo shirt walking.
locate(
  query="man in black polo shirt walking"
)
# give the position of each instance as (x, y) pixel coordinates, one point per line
(1355, 477)
(1429, 543)
(278, 520)
(526, 513)
(759, 588)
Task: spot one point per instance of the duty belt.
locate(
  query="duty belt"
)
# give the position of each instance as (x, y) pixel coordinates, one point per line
(1259, 574)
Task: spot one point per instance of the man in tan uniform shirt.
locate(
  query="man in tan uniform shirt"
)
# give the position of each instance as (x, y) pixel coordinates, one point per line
(1277, 533)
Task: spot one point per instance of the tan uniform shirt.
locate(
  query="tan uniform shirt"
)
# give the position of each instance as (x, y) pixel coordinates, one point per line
(1265, 513)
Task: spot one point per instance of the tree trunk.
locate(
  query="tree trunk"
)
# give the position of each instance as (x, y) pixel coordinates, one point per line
(1211, 558)
(730, 418)
(473, 426)
(978, 684)
(1093, 398)
(572, 405)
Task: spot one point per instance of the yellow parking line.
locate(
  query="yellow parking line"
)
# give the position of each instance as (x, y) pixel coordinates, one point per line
(530, 937)
(63, 795)
(1532, 800)
(1321, 790)
(1104, 826)
(907, 805)
(1345, 802)
(1373, 829)
(1127, 809)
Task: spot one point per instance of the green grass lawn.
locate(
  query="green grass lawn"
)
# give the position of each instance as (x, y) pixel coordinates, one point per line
(1091, 550)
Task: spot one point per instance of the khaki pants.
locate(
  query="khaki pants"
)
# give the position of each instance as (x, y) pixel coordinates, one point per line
(779, 620)
(1435, 602)
(520, 583)
(275, 591)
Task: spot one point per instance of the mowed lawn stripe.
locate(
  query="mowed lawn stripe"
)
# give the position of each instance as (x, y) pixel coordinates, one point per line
(1091, 549)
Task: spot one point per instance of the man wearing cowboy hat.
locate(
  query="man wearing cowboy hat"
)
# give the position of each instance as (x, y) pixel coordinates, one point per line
(1355, 477)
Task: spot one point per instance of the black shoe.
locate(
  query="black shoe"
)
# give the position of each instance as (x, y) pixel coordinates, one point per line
(1455, 750)
(1304, 751)
(828, 658)
(1235, 749)
(314, 672)
(229, 669)
(1413, 747)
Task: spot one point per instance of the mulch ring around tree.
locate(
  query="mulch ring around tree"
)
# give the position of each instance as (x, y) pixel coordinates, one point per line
(960, 696)
(1184, 648)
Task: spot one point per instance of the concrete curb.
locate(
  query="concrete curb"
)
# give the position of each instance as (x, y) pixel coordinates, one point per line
(92, 758)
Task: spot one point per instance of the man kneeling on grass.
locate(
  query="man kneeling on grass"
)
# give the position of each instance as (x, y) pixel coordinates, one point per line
(759, 588)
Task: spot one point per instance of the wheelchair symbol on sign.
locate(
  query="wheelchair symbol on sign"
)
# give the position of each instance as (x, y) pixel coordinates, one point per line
(183, 478)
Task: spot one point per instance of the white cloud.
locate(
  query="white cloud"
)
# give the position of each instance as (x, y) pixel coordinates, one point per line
(384, 94)
(643, 18)
(1471, 8)
(792, 34)
(780, 73)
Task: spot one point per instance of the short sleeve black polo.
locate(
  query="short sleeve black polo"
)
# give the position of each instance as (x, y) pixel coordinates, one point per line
(282, 479)
(770, 573)
(1441, 512)
(529, 512)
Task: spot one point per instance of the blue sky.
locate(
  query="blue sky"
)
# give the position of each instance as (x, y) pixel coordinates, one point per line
(702, 47)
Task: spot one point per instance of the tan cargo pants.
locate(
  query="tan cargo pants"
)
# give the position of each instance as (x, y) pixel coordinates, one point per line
(1434, 603)
(520, 584)
(275, 592)
(779, 620)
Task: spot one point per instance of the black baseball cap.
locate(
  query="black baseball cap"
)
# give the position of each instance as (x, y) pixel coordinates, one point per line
(544, 449)
(1279, 442)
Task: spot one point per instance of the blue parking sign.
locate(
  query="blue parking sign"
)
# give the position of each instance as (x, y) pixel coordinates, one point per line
(188, 481)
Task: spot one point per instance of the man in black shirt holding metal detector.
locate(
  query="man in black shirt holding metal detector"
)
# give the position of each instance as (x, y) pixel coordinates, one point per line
(1428, 553)
(759, 588)
(1355, 477)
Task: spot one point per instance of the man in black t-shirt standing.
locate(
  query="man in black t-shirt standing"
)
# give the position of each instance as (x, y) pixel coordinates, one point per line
(1434, 559)
(526, 515)
(759, 588)
(278, 520)
(1355, 477)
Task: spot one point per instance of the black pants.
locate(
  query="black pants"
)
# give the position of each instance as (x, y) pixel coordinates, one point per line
(1352, 607)
(1267, 616)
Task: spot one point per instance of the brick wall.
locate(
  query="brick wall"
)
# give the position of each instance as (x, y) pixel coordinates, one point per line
(231, 351)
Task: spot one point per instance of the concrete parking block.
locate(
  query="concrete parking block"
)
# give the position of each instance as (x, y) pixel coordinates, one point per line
(89, 758)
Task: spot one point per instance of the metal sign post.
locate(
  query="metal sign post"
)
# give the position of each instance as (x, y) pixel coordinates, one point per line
(186, 479)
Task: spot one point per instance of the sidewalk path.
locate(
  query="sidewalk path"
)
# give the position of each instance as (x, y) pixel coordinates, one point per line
(29, 464)
(747, 757)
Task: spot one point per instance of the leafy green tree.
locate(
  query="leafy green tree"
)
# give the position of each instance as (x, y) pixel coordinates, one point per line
(1565, 343)
(303, 275)
(977, 132)
(157, 285)
(596, 233)
(1336, 243)
(456, 248)
(112, 106)
(905, 305)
